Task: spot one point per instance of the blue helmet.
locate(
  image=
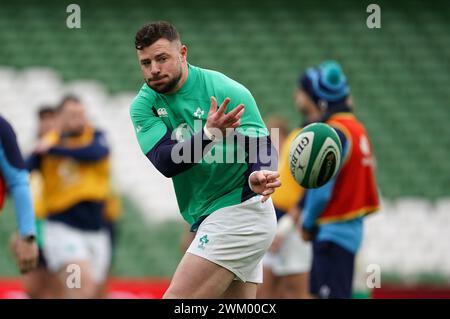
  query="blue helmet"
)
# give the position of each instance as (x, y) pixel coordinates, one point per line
(326, 84)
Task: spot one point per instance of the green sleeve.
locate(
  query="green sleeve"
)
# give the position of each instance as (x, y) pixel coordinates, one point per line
(252, 123)
(148, 127)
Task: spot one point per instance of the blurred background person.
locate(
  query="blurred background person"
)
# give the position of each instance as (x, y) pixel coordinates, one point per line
(76, 177)
(287, 264)
(40, 282)
(333, 214)
(14, 181)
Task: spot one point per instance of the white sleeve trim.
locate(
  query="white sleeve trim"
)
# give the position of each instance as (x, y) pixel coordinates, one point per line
(249, 184)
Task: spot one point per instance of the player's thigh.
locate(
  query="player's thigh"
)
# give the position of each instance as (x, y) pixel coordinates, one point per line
(241, 290)
(266, 288)
(77, 279)
(56, 288)
(34, 283)
(295, 286)
(100, 251)
(197, 277)
(50, 287)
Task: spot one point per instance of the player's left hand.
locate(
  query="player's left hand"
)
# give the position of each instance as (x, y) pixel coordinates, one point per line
(264, 182)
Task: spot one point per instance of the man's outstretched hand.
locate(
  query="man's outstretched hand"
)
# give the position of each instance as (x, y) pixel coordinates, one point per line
(264, 183)
(218, 122)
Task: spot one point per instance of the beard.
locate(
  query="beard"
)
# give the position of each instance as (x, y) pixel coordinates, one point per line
(169, 86)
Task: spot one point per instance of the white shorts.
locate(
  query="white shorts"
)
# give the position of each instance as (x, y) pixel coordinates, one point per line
(63, 245)
(293, 257)
(237, 237)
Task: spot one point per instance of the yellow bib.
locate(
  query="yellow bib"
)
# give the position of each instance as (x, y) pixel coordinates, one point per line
(68, 181)
(37, 193)
(113, 207)
(290, 192)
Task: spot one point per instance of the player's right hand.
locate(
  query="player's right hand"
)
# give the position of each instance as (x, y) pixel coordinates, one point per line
(264, 182)
(219, 122)
(26, 254)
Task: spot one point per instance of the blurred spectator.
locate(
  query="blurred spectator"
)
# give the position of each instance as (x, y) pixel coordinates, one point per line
(287, 264)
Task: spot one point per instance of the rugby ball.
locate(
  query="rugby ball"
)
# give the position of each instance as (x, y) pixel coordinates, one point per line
(315, 155)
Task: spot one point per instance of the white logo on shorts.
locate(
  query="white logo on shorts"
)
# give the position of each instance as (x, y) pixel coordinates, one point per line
(203, 241)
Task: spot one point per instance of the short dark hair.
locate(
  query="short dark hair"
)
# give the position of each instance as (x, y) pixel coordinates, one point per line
(45, 110)
(152, 32)
(66, 99)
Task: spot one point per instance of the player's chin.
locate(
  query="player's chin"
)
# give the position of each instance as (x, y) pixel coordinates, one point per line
(160, 87)
(156, 85)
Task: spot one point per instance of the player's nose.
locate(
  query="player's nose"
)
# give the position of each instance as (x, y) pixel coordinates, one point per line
(155, 70)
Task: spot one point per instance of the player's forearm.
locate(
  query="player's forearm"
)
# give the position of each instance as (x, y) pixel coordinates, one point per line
(172, 158)
(315, 203)
(93, 152)
(85, 154)
(20, 192)
(262, 155)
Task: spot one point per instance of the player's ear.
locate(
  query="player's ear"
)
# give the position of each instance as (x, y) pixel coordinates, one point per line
(183, 52)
